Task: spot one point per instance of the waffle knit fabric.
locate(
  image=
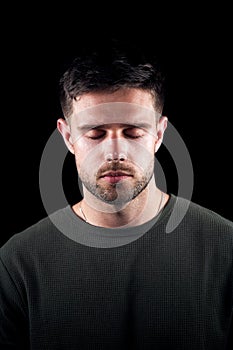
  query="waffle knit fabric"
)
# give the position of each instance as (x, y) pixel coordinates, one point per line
(155, 290)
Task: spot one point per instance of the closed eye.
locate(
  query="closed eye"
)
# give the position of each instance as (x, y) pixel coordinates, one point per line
(95, 134)
(134, 133)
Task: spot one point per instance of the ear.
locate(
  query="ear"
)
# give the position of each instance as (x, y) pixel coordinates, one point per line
(161, 127)
(64, 130)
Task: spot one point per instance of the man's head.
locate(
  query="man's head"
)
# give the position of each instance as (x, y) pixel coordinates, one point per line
(112, 100)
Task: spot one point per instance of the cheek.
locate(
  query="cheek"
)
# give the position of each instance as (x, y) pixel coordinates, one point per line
(148, 146)
(86, 156)
(81, 149)
(78, 153)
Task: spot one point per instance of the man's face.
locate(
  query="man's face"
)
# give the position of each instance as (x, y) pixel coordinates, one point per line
(114, 137)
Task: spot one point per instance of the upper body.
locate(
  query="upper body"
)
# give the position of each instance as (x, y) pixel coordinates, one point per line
(90, 287)
(170, 290)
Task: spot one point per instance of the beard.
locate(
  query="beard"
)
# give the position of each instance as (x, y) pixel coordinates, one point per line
(121, 192)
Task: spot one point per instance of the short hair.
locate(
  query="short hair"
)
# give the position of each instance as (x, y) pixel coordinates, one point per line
(108, 68)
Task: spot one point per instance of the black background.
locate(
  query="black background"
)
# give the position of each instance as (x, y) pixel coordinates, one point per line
(195, 44)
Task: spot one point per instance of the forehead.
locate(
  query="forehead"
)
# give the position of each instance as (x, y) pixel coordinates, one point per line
(128, 95)
(107, 114)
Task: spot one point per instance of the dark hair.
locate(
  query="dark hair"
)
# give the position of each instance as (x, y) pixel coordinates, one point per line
(110, 68)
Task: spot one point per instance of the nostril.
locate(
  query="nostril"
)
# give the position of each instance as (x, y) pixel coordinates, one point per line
(109, 157)
(122, 156)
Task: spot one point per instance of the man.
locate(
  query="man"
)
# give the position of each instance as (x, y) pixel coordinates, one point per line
(105, 273)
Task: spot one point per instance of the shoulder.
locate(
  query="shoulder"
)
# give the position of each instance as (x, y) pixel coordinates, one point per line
(209, 216)
(202, 219)
(33, 238)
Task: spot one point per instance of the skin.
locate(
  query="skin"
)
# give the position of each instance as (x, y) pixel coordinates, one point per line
(134, 200)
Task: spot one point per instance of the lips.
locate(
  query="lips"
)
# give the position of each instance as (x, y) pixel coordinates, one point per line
(115, 176)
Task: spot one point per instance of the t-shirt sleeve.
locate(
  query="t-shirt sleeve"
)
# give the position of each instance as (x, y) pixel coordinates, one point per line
(13, 318)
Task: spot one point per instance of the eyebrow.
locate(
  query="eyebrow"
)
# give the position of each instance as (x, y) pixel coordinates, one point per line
(94, 126)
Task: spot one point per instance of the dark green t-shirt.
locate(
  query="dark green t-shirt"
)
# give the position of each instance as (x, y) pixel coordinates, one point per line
(66, 284)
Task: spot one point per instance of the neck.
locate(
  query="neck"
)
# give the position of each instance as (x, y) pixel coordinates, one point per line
(138, 211)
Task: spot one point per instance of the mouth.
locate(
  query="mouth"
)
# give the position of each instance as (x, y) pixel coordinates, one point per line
(115, 176)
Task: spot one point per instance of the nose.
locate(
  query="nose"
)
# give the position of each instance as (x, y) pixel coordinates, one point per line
(115, 150)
